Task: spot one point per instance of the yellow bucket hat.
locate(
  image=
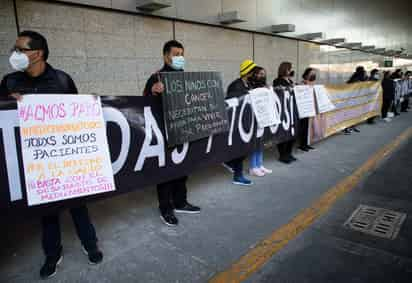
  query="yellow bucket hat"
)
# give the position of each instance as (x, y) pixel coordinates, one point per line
(246, 66)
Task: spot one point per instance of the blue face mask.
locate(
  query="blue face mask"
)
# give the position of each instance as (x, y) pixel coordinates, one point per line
(178, 62)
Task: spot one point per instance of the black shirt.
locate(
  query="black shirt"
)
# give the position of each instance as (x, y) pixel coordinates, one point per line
(155, 79)
(52, 81)
(237, 88)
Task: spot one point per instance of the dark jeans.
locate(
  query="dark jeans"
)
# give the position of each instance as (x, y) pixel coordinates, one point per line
(405, 103)
(237, 166)
(285, 149)
(51, 239)
(386, 104)
(172, 194)
(304, 132)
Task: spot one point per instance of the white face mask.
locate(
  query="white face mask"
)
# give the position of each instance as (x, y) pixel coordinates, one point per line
(19, 61)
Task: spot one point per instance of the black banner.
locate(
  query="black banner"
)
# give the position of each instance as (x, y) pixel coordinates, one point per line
(193, 106)
(138, 149)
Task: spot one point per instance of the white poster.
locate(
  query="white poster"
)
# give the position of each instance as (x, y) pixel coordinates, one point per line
(305, 101)
(64, 147)
(323, 100)
(263, 104)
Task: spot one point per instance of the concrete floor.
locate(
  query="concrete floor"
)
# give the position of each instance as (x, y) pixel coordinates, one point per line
(138, 247)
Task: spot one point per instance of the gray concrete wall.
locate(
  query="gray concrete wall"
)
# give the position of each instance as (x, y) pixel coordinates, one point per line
(113, 53)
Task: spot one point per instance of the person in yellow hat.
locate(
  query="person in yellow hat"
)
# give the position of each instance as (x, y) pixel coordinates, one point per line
(237, 88)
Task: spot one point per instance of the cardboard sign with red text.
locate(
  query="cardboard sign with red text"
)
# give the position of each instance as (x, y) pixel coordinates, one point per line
(64, 147)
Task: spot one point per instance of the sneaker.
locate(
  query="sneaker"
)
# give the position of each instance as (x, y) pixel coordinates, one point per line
(347, 131)
(49, 268)
(310, 148)
(256, 172)
(265, 170)
(304, 148)
(94, 255)
(391, 115)
(230, 169)
(292, 158)
(242, 181)
(356, 130)
(387, 119)
(188, 208)
(169, 218)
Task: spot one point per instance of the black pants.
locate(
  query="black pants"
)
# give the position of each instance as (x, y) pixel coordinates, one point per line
(237, 166)
(386, 104)
(172, 194)
(51, 239)
(405, 103)
(285, 149)
(304, 132)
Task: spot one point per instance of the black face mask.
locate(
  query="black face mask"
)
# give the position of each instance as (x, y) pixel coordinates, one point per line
(258, 82)
(292, 73)
(312, 78)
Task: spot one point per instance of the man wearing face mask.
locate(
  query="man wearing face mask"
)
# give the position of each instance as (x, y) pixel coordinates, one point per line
(172, 195)
(35, 76)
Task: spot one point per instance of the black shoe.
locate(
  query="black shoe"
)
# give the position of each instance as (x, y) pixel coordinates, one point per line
(169, 218)
(188, 208)
(94, 254)
(49, 268)
(292, 158)
(310, 148)
(355, 130)
(285, 160)
(347, 131)
(304, 148)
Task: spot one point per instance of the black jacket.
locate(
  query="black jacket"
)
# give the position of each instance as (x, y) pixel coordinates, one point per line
(237, 88)
(281, 82)
(388, 87)
(155, 79)
(52, 81)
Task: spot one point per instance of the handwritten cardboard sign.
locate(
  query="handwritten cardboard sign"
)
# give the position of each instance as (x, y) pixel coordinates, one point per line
(64, 147)
(305, 101)
(193, 106)
(264, 107)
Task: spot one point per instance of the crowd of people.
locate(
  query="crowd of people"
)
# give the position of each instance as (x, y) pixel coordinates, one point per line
(35, 76)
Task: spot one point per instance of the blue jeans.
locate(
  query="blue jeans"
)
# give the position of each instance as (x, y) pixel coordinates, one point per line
(256, 159)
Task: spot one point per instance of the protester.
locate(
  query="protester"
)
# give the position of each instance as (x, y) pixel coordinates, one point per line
(172, 195)
(388, 95)
(35, 76)
(309, 78)
(258, 80)
(285, 73)
(359, 75)
(397, 75)
(238, 88)
(405, 104)
(374, 77)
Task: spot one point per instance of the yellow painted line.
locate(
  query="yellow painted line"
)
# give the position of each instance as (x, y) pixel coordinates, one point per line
(264, 250)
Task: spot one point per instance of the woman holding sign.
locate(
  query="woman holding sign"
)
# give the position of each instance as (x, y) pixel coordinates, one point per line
(309, 78)
(285, 73)
(258, 80)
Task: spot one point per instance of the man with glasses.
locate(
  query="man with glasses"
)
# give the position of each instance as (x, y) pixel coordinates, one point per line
(35, 76)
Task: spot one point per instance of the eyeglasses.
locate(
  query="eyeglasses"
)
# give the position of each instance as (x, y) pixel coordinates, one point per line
(20, 50)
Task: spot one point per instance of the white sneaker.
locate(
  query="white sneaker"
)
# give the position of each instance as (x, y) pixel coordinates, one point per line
(256, 172)
(265, 170)
(387, 119)
(391, 114)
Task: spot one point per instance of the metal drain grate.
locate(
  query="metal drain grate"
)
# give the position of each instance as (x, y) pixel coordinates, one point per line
(376, 221)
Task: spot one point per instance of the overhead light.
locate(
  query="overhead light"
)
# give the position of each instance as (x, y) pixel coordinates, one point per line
(312, 36)
(230, 17)
(351, 45)
(368, 47)
(333, 41)
(282, 28)
(152, 5)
